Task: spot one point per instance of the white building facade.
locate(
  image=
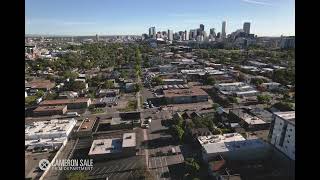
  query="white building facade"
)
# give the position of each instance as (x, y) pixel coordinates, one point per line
(283, 133)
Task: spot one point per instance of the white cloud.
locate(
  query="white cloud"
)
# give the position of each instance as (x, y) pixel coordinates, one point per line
(257, 2)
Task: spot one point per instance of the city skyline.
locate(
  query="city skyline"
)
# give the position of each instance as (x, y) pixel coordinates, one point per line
(267, 17)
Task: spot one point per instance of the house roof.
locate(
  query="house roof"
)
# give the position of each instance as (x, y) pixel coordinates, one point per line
(49, 108)
(40, 84)
(64, 101)
(194, 91)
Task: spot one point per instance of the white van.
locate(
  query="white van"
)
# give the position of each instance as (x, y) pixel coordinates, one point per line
(74, 114)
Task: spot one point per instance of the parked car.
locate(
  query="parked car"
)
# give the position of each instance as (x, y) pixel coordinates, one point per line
(74, 114)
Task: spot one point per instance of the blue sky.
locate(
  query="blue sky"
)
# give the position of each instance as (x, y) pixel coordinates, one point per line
(134, 17)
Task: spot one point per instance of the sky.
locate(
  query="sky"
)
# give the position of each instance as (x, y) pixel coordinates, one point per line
(134, 17)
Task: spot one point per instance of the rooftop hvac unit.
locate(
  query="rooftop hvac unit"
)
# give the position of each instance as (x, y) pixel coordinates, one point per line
(100, 144)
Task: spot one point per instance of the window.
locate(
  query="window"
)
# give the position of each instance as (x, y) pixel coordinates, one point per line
(290, 130)
(286, 147)
(288, 141)
(289, 136)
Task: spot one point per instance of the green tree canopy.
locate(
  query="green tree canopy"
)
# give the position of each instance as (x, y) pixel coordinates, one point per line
(157, 81)
(264, 98)
(192, 166)
(210, 80)
(77, 176)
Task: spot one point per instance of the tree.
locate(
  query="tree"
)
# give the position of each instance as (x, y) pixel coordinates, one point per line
(77, 176)
(76, 86)
(51, 96)
(71, 75)
(283, 106)
(210, 80)
(177, 132)
(137, 87)
(233, 99)
(39, 93)
(192, 166)
(264, 98)
(141, 174)
(108, 85)
(30, 100)
(257, 81)
(157, 81)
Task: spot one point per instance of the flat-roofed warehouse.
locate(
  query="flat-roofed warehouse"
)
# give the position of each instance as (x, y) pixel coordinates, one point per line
(180, 96)
(76, 103)
(232, 146)
(51, 134)
(102, 149)
(50, 110)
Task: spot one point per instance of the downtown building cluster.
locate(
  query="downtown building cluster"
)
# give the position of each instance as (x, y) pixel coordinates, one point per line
(199, 34)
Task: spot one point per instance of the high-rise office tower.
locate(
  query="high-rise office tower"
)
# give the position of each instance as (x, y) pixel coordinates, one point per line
(186, 35)
(193, 33)
(152, 32)
(199, 32)
(212, 32)
(170, 35)
(223, 31)
(218, 35)
(246, 27)
(97, 38)
(201, 27)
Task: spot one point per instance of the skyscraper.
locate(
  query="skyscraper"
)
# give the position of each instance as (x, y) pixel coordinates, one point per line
(201, 27)
(97, 38)
(212, 32)
(170, 35)
(223, 31)
(186, 35)
(152, 32)
(246, 27)
(193, 33)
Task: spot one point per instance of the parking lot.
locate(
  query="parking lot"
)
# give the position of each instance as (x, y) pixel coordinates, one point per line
(160, 142)
(32, 162)
(115, 169)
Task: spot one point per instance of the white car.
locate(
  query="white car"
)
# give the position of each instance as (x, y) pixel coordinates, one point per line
(145, 126)
(149, 120)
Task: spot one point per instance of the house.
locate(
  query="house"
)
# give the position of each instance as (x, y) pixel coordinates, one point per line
(129, 87)
(50, 110)
(68, 95)
(180, 96)
(77, 103)
(248, 120)
(44, 85)
(173, 81)
(271, 86)
(108, 93)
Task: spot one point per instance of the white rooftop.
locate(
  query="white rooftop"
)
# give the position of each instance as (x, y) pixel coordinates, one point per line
(252, 120)
(49, 129)
(104, 146)
(115, 145)
(228, 142)
(287, 115)
(129, 140)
